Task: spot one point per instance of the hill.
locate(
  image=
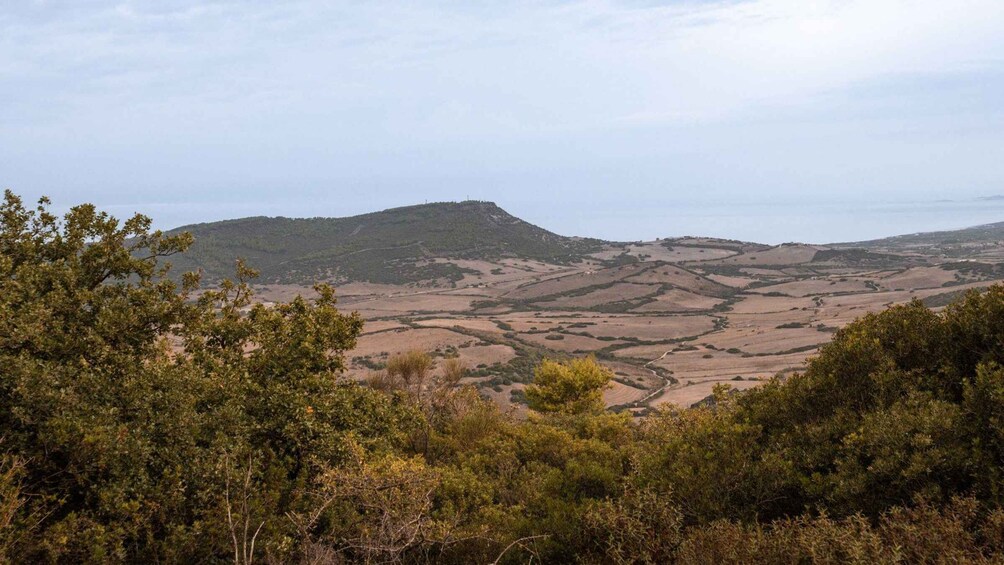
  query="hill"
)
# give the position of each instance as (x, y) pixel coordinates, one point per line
(429, 244)
(395, 246)
(951, 242)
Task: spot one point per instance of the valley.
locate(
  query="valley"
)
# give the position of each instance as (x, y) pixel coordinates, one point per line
(672, 318)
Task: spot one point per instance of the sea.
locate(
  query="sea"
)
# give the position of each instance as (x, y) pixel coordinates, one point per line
(780, 221)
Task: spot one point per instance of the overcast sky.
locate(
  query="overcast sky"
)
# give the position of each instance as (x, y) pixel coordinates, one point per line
(574, 115)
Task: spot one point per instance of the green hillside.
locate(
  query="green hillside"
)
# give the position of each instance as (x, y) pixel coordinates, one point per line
(391, 246)
(984, 234)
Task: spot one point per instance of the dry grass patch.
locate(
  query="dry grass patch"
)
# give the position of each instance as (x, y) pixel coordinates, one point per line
(734, 282)
(760, 339)
(477, 324)
(616, 293)
(767, 273)
(651, 328)
(679, 278)
(681, 254)
(399, 341)
(813, 287)
(676, 300)
(656, 251)
(687, 395)
(618, 394)
(645, 352)
(918, 277)
(567, 343)
(693, 365)
(382, 326)
(846, 308)
(476, 355)
(781, 255)
(530, 323)
(569, 283)
(409, 305)
(477, 291)
(758, 304)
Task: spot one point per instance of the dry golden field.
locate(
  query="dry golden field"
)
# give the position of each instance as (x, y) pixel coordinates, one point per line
(671, 318)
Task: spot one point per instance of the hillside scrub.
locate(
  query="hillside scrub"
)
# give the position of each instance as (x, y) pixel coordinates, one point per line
(392, 246)
(146, 420)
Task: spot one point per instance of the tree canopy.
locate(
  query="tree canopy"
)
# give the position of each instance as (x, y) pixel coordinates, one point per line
(573, 387)
(146, 419)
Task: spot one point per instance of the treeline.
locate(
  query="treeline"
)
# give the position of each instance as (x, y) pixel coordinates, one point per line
(145, 420)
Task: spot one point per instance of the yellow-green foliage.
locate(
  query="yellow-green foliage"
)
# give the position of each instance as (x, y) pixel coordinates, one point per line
(572, 387)
(958, 532)
(143, 422)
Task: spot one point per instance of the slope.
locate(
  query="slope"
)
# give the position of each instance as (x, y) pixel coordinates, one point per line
(392, 246)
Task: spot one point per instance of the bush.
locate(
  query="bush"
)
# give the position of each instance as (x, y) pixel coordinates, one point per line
(144, 424)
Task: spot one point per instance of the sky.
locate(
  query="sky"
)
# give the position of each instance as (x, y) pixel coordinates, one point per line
(625, 119)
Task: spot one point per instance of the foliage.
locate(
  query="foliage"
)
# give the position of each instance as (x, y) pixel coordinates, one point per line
(409, 371)
(955, 533)
(122, 393)
(572, 387)
(147, 420)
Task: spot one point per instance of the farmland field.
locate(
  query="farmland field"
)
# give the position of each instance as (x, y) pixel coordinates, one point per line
(671, 318)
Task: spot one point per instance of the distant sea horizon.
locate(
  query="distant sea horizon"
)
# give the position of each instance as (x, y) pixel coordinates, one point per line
(786, 222)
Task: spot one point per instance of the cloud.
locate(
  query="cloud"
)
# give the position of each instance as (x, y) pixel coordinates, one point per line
(563, 65)
(108, 97)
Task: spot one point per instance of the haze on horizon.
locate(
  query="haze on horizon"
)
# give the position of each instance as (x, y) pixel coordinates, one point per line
(615, 119)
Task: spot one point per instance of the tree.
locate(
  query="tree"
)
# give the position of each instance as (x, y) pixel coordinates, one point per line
(573, 387)
(92, 400)
(120, 394)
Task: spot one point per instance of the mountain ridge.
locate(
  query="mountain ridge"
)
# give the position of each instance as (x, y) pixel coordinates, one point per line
(388, 246)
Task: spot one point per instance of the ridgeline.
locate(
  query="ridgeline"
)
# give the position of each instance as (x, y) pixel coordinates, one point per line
(392, 246)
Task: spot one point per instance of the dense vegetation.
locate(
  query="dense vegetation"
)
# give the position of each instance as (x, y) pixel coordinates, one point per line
(384, 247)
(145, 421)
